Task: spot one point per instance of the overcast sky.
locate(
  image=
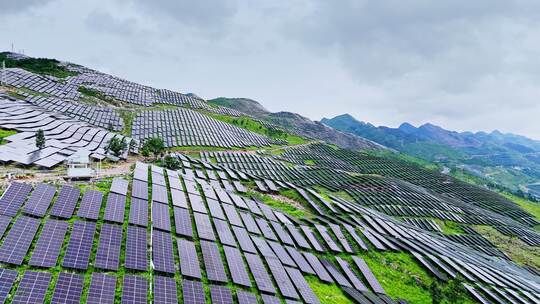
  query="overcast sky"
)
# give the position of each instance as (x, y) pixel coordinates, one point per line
(464, 65)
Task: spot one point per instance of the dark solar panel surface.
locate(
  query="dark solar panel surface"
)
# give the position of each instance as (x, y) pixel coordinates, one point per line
(193, 292)
(236, 266)
(215, 209)
(165, 290)
(335, 273)
(349, 273)
(134, 290)
(182, 222)
(90, 205)
(39, 201)
(116, 206)
(32, 288)
(282, 254)
(318, 267)
(250, 223)
(299, 259)
(179, 198)
(4, 223)
(136, 246)
(138, 212)
(220, 295)
(302, 286)
(7, 278)
(204, 227)
(162, 251)
(102, 288)
(212, 262)
(197, 203)
(246, 244)
(268, 299)
(160, 216)
(65, 202)
(282, 233)
(371, 279)
(298, 238)
(245, 297)
(267, 231)
(119, 186)
(108, 251)
(68, 288)
(80, 245)
(47, 249)
(189, 262)
(281, 277)
(224, 232)
(159, 194)
(13, 198)
(262, 278)
(232, 215)
(139, 189)
(18, 240)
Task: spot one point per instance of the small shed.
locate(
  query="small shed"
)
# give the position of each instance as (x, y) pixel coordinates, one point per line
(79, 165)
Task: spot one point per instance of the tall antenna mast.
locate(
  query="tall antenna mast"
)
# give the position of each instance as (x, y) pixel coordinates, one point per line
(12, 48)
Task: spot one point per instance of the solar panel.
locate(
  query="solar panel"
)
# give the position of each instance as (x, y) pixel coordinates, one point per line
(136, 256)
(80, 245)
(246, 244)
(189, 262)
(138, 212)
(220, 295)
(160, 216)
(66, 202)
(18, 240)
(179, 198)
(182, 222)
(32, 288)
(250, 223)
(327, 238)
(68, 288)
(119, 186)
(193, 292)
(212, 262)
(268, 213)
(302, 286)
(90, 205)
(162, 251)
(140, 175)
(165, 290)
(268, 299)
(197, 203)
(224, 233)
(262, 278)
(159, 194)
(215, 209)
(283, 282)
(336, 274)
(356, 282)
(372, 280)
(236, 266)
(4, 223)
(7, 278)
(102, 288)
(341, 238)
(282, 254)
(232, 215)
(318, 267)
(116, 206)
(263, 247)
(48, 246)
(299, 259)
(245, 297)
(39, 201)
(204, 227)
(134, 290)
(13, 198)
(282, 234)
(265, 228)
(298, 238)
(139, 189)
(312, 239)
(108, 251)
(158, 178)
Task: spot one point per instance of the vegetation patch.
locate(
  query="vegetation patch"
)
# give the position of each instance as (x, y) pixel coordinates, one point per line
(520, 252)
(531, 207)
(5, 133)
(285, 202)
(327, 293)
(42, 66)
(449, 227)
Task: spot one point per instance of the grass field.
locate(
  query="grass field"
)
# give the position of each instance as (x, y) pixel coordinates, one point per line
(5, 133)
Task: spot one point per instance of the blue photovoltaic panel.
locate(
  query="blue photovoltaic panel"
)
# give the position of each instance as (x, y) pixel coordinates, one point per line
(281, 277)
(39, 201)
(204, 227)
(299, 259)
(236, 266)
(215, 209)
(13, 198)
(49, 243)
(232, 215)
(165, 290)
(116, 206)
(193, 292)
(267, 231)
(197, 203)
(66, 202)
(80, 245)
(341, 238)
(140, 174)
(138, 212)
(139, 189)
(212, 262)
(182, 222)
(356, 282)
(302, 286)
(157, 177)
(268, 299)
(224, 233)
(160, 216)
(220, 295)
(250, 223)
(312, 238)
(318, 267)
(136, 257)
(119, 186)
(245, 297)
(32, 288)
(282, 233)
(68, 288)
(134, 290)
(336, 274)
(102, 288)
(108, 251)
(178, 198)
(263, 247)
(7, 278)
(298, 238)
(90, 205)
(282, 254)
(268, 213)
(327, 238)
(253, 207)
(370, 277)
(246, 244)
(262, 278)
(162, 251)
(159, 194)
(189, 262)
(18, 240)
(4, 223)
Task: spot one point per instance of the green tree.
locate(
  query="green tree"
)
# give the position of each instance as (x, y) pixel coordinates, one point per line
(40, 139)
(117, 145)
(132, 145)
(155, 146)
(436, 293)
(171, 162)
